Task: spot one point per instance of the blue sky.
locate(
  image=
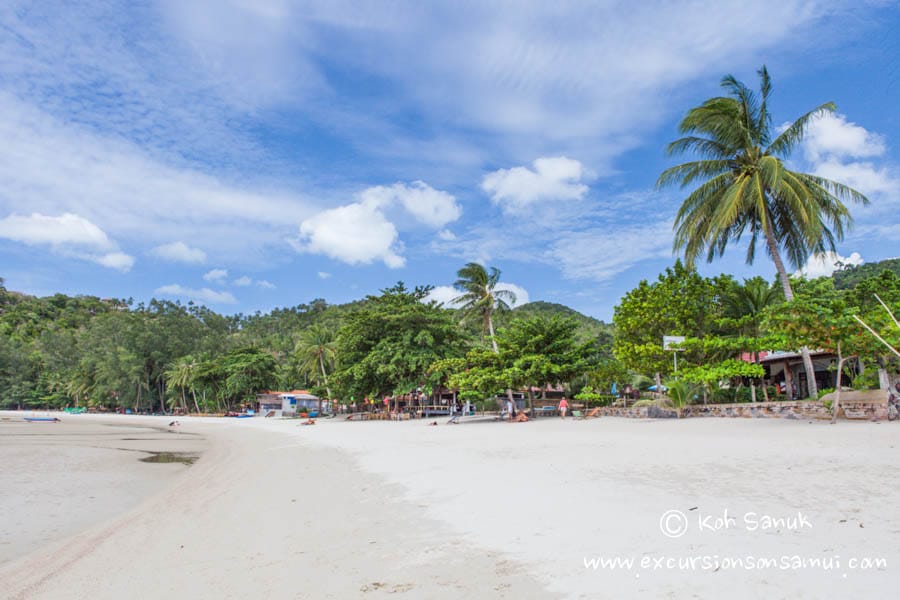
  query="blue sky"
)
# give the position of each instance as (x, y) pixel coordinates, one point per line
(252, 154)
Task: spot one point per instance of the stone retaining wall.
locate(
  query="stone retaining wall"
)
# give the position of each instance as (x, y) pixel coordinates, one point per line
(783, 410)
(875, 410)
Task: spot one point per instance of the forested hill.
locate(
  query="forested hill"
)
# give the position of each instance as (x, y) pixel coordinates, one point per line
(588, 327)
(850, 276)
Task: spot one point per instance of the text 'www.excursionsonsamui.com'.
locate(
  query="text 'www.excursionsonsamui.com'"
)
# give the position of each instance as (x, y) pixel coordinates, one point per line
(714, 562)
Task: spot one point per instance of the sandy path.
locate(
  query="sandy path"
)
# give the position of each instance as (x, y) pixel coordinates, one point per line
(264, 515)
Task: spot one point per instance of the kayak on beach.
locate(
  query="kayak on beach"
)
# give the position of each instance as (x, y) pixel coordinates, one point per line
(43, 419)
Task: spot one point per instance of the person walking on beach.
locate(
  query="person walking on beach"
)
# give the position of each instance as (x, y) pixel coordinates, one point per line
(563, 407)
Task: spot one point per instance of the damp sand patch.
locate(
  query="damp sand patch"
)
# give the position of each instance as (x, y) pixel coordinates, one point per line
(184, 458)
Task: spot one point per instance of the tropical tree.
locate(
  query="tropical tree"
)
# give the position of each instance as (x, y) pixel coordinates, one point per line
(543, 351)
(745, 186)
(315, 351)
(745, 308)
(480, 296)
(388, 343)
(183, 374)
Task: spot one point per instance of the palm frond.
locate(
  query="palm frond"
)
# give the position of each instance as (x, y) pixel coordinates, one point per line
(787, 141)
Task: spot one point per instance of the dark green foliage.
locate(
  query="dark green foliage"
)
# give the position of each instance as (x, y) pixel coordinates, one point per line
(387, 344)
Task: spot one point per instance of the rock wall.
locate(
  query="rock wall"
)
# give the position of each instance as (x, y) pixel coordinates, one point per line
(875, 409)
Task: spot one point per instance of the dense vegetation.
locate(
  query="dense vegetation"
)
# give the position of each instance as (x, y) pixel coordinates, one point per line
(83, 351)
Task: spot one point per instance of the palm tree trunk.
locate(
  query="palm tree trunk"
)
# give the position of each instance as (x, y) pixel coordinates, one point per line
(194, 396)
(836, 405)
(811, 387)
(490, 324)
(325, 378)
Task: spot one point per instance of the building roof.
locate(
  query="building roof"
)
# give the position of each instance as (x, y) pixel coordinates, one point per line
(780, 356)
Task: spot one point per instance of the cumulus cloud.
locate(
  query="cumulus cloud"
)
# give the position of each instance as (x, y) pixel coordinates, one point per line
(556, 178)
(444, 294)
(836, 148)
(203, 295)
(179, 252)
(323, 275)
(116, 260)
(266, 285)
(428, 205)
(243, 281)
(67, 229)
(823, 265)
(216, 275)
(832, 136)
(356, 234)
(861, 176)
(67, 234)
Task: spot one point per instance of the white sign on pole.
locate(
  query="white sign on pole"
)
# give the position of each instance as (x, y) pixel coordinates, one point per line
(672, 340)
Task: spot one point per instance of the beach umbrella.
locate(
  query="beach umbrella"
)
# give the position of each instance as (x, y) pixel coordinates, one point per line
(613, 389)
(652, 388)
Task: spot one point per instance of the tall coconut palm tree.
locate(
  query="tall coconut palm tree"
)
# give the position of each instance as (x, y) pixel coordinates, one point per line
(316, 350)
(480, 296)
(745, 186)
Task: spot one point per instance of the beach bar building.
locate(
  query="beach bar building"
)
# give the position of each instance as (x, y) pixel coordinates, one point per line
(287, 404)
(787, 368)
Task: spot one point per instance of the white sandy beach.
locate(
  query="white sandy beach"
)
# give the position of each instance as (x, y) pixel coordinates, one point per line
(489, 510)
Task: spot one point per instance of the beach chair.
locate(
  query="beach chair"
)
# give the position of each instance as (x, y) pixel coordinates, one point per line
(578, 415)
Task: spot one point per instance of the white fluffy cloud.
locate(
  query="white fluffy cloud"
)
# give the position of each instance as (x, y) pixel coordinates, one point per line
(266, 285)
(823, 265)
(243, 281)
(356, 234)
(861, 176)
(216, 275)
(179, 252)
(444, 294)
(556, 178)
(67, 234)
(361, 233)
(203, 295)
(834, 147)
(428, 205)
(115, 260)
(323, 275)
(832, 136)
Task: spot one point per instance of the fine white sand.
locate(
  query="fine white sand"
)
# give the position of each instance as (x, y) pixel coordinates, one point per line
(375, 509)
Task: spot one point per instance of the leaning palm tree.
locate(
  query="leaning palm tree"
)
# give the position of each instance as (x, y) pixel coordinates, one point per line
(745, 186)
(315, 351)
(480, 296)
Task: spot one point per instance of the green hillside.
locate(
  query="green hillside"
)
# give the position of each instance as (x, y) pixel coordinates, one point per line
(588, 327)
(850, 276)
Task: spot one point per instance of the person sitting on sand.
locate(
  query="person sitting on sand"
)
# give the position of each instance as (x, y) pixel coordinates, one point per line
(521, 418)
(593, 413)
(309, 422)
(563, 407)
